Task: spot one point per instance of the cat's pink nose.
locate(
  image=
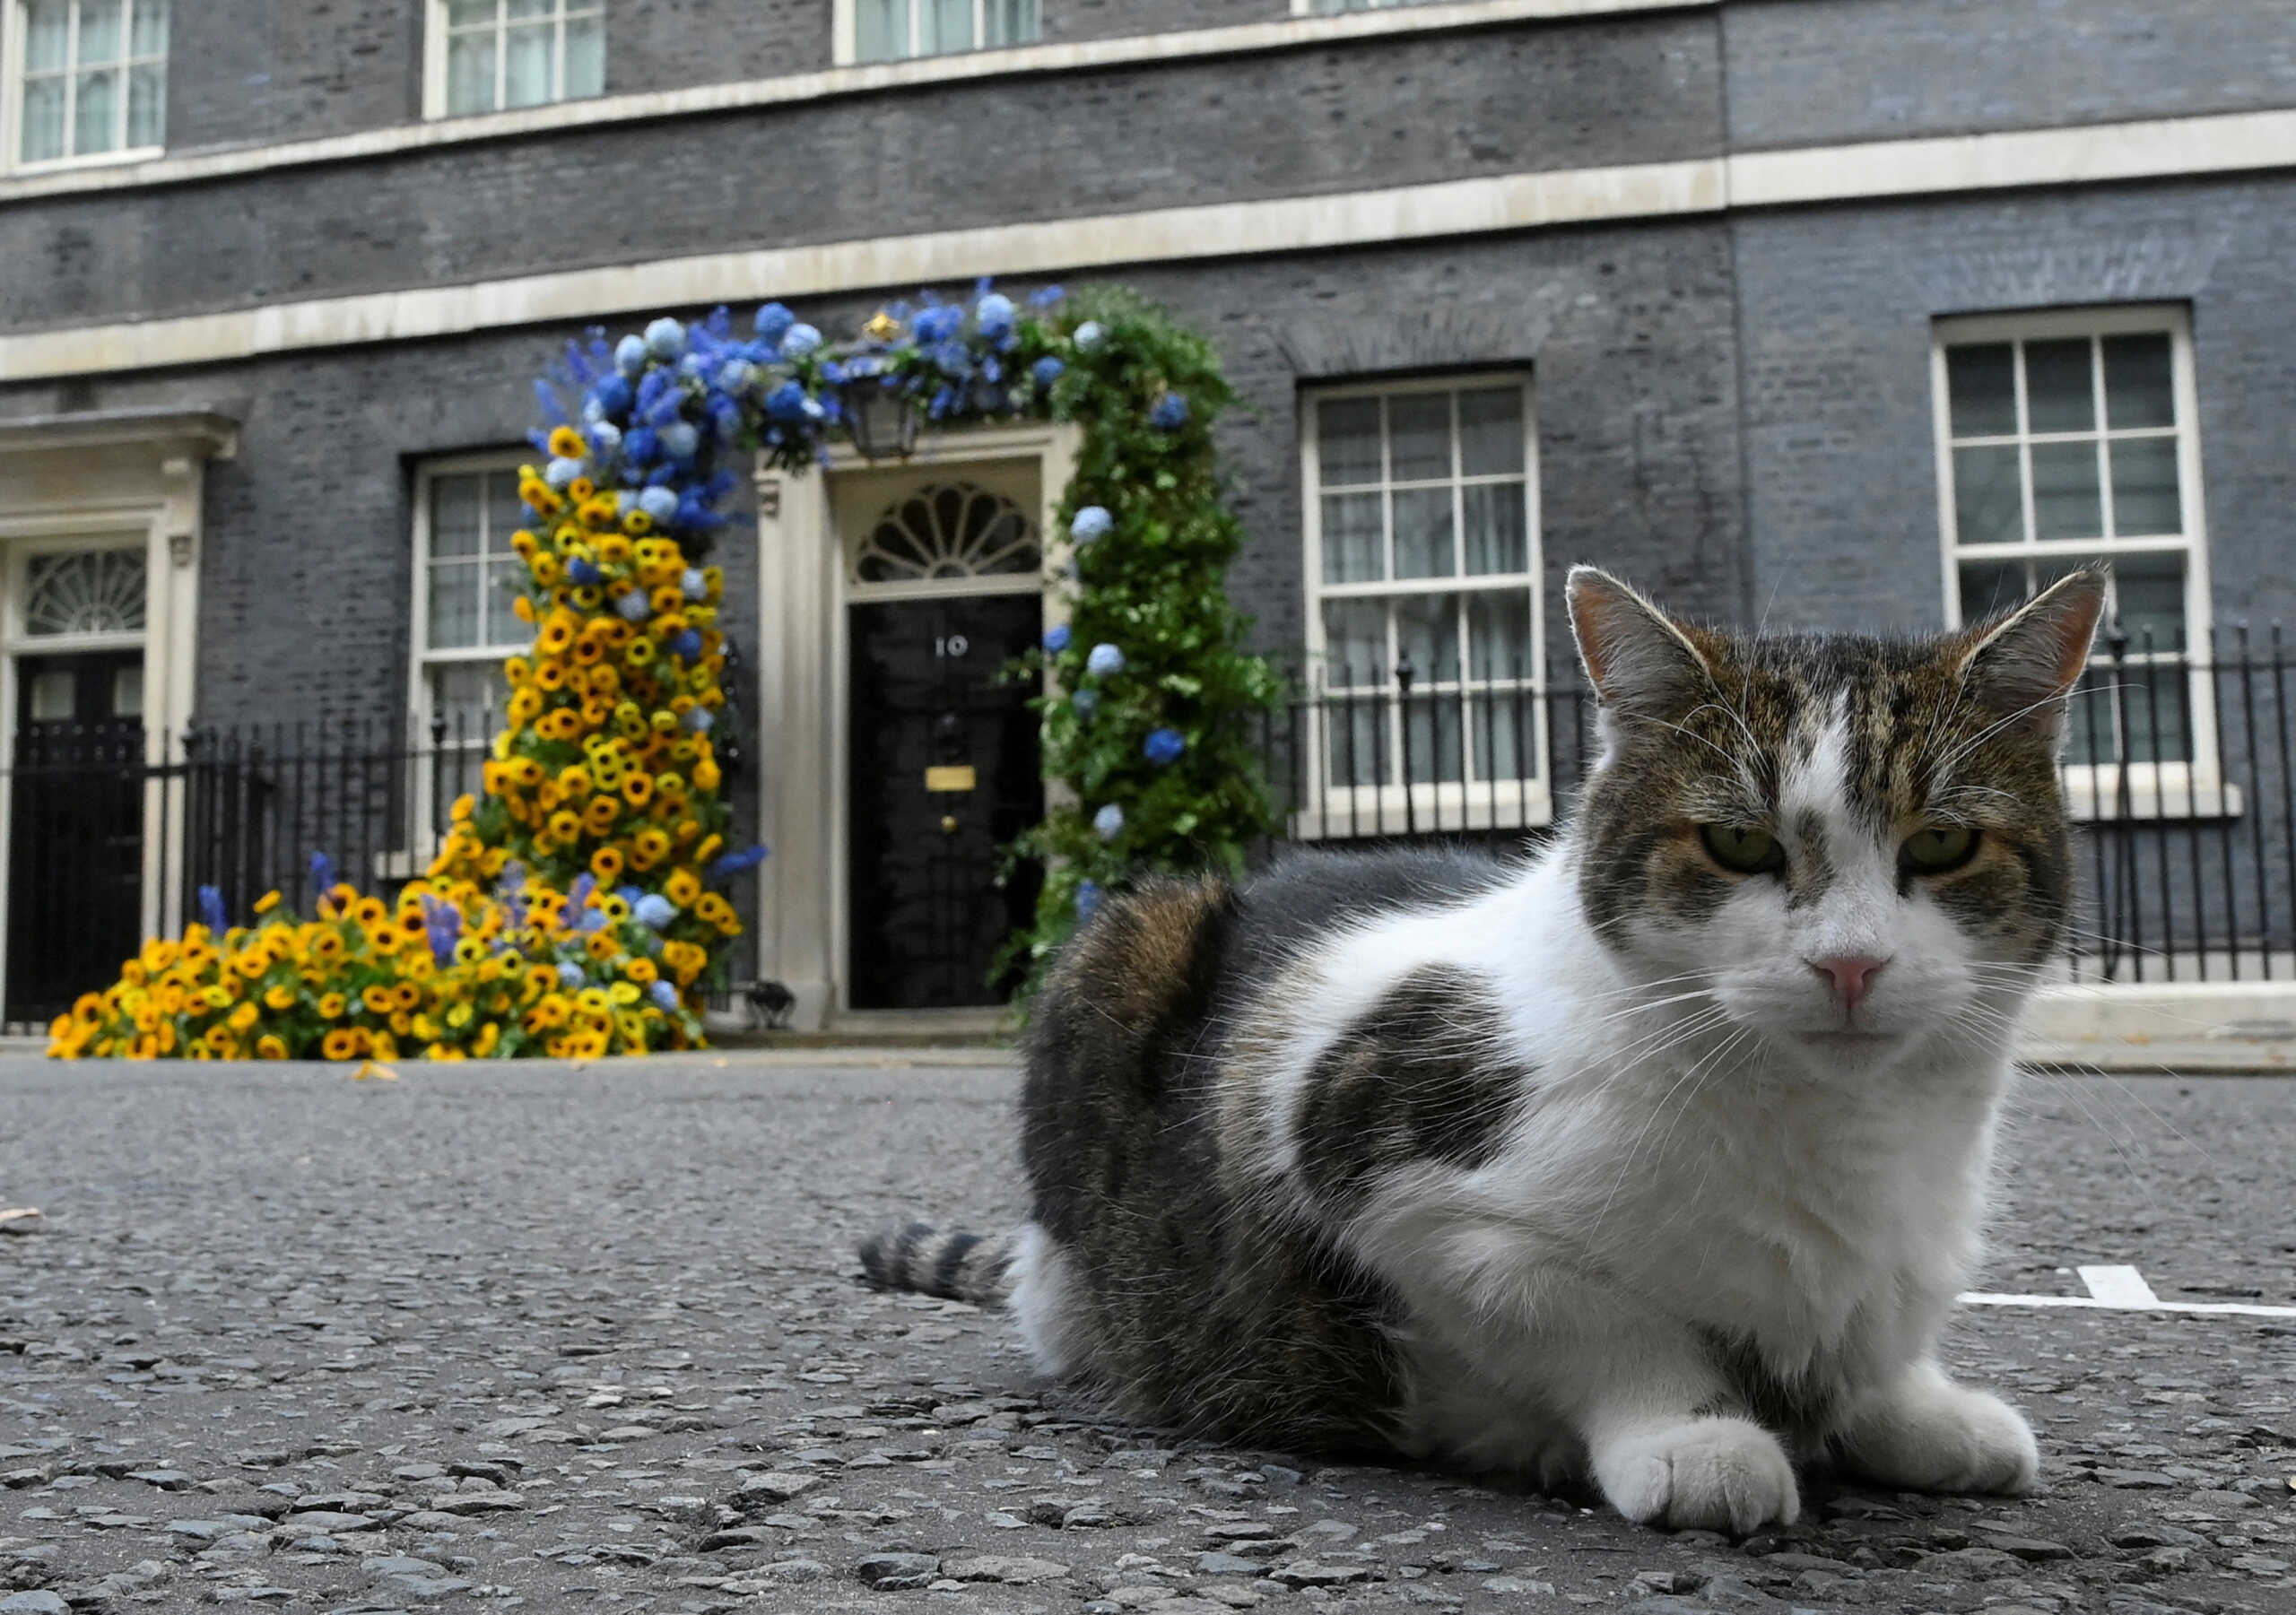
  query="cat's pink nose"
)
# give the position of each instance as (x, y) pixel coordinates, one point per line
(1852, 974)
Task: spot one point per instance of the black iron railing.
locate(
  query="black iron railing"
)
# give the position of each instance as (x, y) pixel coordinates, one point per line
(2179, 777)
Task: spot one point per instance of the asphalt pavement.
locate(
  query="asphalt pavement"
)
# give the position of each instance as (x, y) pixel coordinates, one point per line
(592, 1337)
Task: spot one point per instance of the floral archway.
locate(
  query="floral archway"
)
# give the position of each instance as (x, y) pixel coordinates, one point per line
(577, 907)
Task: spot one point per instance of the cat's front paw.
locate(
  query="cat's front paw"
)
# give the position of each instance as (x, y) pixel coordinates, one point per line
(1928, 1433)
(1711, 1475)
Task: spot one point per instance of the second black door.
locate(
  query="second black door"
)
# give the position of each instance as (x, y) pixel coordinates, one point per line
(944, 774)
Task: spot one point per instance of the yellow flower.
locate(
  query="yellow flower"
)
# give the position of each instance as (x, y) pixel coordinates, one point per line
(378, 999)
(622, 993)
(268, 901)
(279, 997)
(639, 971)
(682, 886)
(602, 947)
(566, 444)
(606, 863)
(331, 1006)
(489, 1035)
(243, 1019)
(270, 1047)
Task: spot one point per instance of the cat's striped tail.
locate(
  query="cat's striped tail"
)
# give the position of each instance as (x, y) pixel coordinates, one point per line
(956, 1266)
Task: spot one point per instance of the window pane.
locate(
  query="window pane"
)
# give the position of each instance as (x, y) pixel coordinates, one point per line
(128, 690)
(527, 11)
(1347, 441)
(1355, 644)
(1981, 388)
(48, 25)
(2092, 718)
(502, 626)
(2153, 701)
(2060, 390)
(1352, 534)
(1419, 433)
(585, 56)
(454, 515)
(1012, 21)
(147, 106)
(148, 34)
(948, 25)
(470, 72)
(1498, 536)
(55, 696)
(1989, 496)
(453, 605)
(100, 33)
(471, 13)
(2065, 503)
(506, 512)
(2145, 487)
(2137, 389)
(43, 120)
(1423, 547)
(1490, 432)
(881, 29)
(469, 695)
(527, 65)
(95, 112)
(1990, 588)
(1498, 634)
(1427, 637)
(2149, 600)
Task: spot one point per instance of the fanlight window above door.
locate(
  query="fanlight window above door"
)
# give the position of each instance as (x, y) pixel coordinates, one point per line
(85, 592)
(948, 532)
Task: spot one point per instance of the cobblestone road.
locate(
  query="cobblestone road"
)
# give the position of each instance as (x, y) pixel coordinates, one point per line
(593, 1338)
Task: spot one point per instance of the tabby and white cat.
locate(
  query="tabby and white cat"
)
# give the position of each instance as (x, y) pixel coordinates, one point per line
(1659, 1157)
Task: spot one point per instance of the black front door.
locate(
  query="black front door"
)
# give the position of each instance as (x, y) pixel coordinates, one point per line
(75, 843)
(944, 774)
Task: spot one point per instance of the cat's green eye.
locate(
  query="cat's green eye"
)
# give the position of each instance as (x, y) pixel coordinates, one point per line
(1741, 848)
(1938, 850)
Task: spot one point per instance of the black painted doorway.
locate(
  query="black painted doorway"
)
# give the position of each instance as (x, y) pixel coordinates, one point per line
(944, 774)
(75, 844)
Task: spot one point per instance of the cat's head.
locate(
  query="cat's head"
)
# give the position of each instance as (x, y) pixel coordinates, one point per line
(1843, 844)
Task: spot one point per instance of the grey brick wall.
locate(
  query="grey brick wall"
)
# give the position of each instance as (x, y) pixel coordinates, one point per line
(1449, 106)
(674, 44)
(1836, 309)
(1066, 20)
(252, 72)
(1827, 70)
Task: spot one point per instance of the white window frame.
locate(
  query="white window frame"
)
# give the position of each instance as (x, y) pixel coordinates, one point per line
(14, 29)
(845, 29)
(2094, 791)
(434, 62)
(1517, 802)
(420, 658)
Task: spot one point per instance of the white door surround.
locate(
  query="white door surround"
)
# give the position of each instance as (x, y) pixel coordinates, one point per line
(112, 479)
(808, 525)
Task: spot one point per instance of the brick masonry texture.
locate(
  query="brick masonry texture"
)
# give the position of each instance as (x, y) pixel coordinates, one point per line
(1449, 106)
(251, 72)
(1836, 307)
(1829, 70)
(1066, 19)
(673, 43)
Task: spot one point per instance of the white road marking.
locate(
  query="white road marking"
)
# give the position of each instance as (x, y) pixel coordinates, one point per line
(2124, 1290)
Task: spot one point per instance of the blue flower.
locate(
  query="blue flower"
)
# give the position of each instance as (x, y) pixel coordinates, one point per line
(938, 324)
(1056, 638)
(772, 320)
(734, 863)
(1090, 336)
(1091, 522)
(559, 472)
(952, 357)
(660, 503)
(613, 395)
(687, 645)
(1047, 370)
(700, 720)
(680, 441)
(1045, 297)
(787, 402)
(735, 375)
(666, 338)
(633, 607)
(570, 974)
(630, 355)
(1106, 660)
(585, 574)
(665, 997)
(994, 315)
(211, 909)
(1163, 747)
(1087, 701)
(1109, 823)
(640, 444)
(799, 341)
(1088, 897)
(654, 910)
(322, 873)
(606, 440)
(1169, 412)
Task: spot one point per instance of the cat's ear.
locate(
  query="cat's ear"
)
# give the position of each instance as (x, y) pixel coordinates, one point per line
(2024, 662)
(1638, 659)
